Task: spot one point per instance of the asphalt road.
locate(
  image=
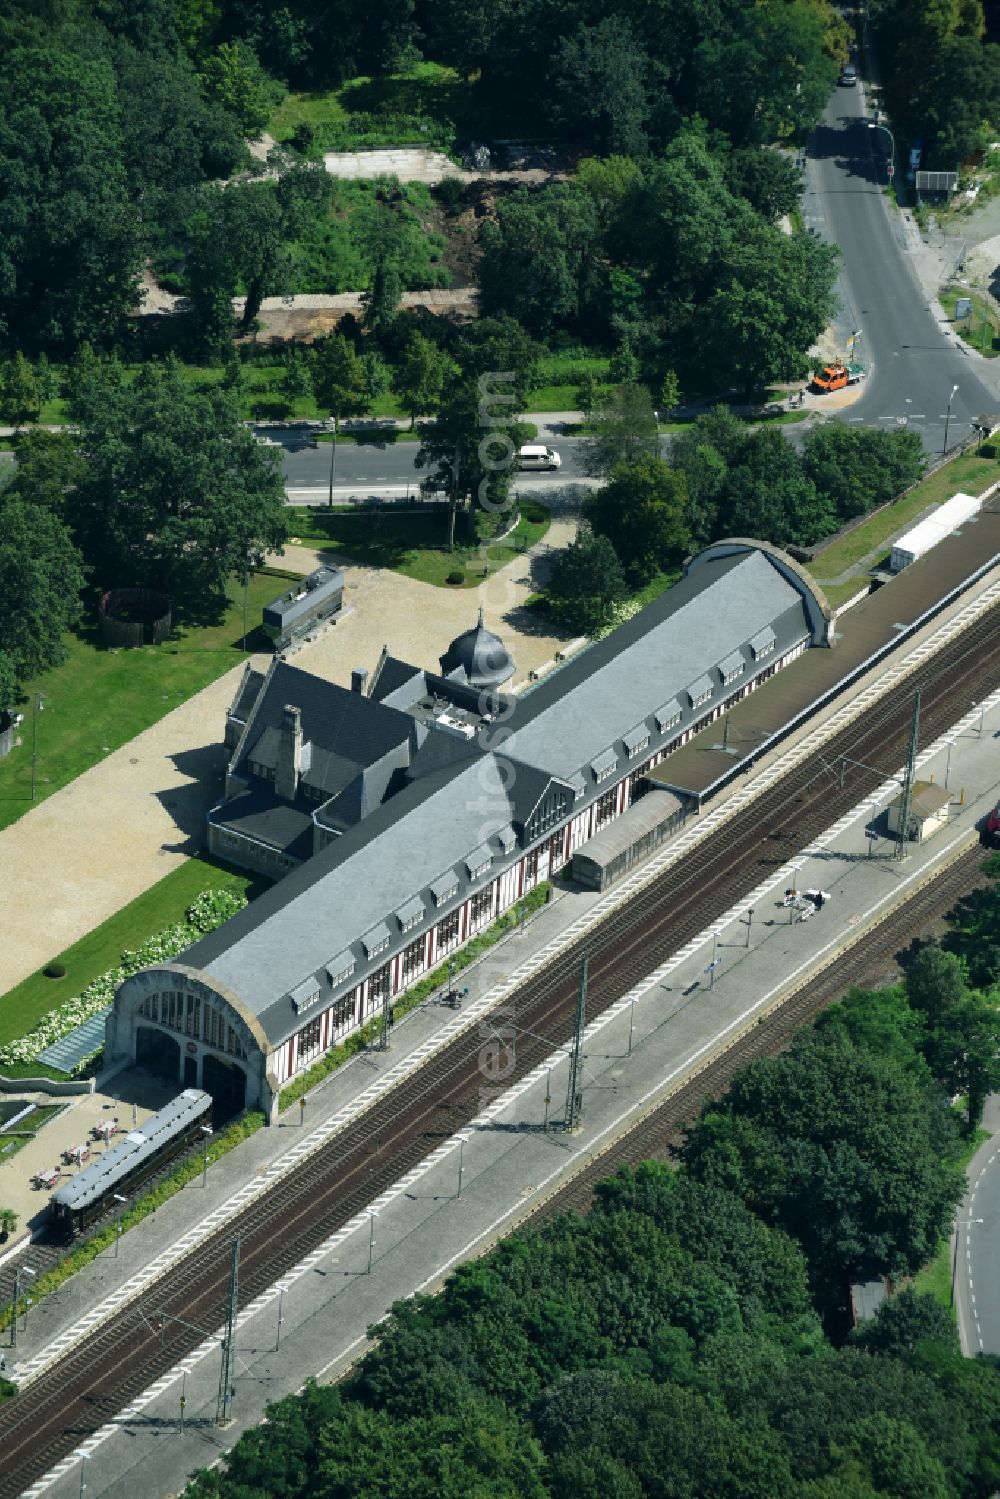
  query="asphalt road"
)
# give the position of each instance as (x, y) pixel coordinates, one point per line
(374, 463)
(913, 364)
(976, 1265)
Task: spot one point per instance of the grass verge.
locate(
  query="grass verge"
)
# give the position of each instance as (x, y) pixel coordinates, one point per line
(413, 543)
(185, 1171)
(413, 996)
(99, 699)
(971, 472)
(156, 908)
(979, 330)
(935, 1277)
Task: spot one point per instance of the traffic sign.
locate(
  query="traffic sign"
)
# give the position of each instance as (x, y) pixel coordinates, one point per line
(890, 169)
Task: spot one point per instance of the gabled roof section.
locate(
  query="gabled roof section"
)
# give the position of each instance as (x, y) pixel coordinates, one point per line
(342, 723)
(397, 683)
(246, 694)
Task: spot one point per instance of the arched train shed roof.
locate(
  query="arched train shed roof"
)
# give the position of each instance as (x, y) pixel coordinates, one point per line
(818, 611)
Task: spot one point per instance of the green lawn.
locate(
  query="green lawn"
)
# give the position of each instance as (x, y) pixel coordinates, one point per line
(971, 472)
(979, 330)
(21, 1008)
(99, 699)
(414, 543)
(426, 105)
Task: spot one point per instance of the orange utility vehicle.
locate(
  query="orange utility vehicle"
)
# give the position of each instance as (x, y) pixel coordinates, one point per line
(836, 376)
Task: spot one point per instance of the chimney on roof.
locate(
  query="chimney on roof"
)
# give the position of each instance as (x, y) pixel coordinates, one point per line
(289, 766)
(358, 679)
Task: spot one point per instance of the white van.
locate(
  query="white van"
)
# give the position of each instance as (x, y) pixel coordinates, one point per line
(538, 457)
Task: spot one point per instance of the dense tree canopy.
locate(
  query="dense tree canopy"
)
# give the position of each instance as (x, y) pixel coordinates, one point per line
(842, 1148)
(641, 512)
(586, 582)
(746, 482)
(176, 492)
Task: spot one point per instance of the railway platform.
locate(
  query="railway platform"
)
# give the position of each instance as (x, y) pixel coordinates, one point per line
(484, 1180)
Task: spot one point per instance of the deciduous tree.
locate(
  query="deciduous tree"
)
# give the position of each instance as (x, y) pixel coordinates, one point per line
(586, 582)
(641, 513)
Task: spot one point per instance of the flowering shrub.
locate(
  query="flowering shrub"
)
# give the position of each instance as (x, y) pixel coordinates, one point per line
(209, 910)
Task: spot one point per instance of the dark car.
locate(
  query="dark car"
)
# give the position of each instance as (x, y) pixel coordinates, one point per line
(849, 75)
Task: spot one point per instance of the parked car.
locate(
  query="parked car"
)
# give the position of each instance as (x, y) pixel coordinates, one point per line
(849, 75)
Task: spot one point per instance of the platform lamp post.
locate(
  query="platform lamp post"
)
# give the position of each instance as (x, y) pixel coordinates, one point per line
(37, 705)
(333, 456)
(21, 1270)
(205, 1132)
(119, 1204)
(947, 420)
(84, 1460)
(282, 1288)
(372, 1215)
(463, 1141)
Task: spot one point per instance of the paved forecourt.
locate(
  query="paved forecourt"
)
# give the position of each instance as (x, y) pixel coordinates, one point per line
(509, 1161)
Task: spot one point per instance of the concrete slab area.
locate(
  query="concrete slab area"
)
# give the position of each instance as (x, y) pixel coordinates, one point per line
(428, 1222)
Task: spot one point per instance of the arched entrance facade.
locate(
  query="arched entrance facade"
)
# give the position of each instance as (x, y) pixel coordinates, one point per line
(194, 1032)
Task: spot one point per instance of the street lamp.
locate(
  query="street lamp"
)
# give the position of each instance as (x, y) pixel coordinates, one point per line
(947, 420)
(206, 1131)
(891, 164)
(84, 1459)
(21, 1270)
(281, 1297)
(372, 1215)
(37, 704)
(463, 1141)
(333, 455)
(119, 1204)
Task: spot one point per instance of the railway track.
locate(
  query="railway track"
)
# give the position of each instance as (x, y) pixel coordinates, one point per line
(866, 963)
(128, 1352)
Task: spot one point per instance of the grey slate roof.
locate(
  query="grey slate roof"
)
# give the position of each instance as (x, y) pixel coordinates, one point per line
(335, 720)
(460, 797)
(572, 716)
(246, 694)
(268, 819)
(398, 683)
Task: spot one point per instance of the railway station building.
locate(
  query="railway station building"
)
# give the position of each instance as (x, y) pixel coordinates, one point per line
(416, 807)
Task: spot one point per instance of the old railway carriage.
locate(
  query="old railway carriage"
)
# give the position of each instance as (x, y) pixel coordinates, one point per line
(427, 840)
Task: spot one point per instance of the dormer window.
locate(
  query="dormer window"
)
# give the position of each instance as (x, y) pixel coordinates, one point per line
(668, 717)
(636, 740)
(732, 667)
(700, 692)
(763, 643)
(604, 766)
(478, 862)
(410, 914)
